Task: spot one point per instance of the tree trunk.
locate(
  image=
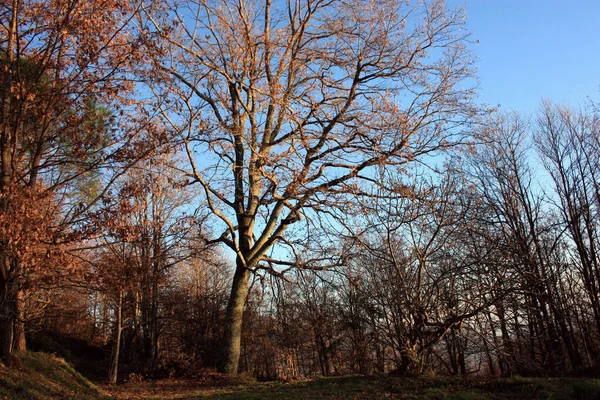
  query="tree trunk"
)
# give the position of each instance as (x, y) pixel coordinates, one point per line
(154, 322)
(7, 145)
(461, 355)
(6, 320)
(506, 356)
(19, 342)
(114, 369)
(233, 322)
(490, 359)
(323, 354)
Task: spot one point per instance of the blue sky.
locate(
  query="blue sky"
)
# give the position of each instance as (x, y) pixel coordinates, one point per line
(535, 49)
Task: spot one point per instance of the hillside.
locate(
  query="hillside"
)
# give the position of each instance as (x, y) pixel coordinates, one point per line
(44, 376)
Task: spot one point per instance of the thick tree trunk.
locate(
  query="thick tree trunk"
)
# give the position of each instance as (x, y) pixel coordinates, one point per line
(233, 323)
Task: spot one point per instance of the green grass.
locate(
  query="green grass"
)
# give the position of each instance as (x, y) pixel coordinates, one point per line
(44, 376)
(369, 387)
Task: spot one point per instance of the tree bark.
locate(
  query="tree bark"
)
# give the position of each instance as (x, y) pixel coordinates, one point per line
(233, 323)
(19, 342)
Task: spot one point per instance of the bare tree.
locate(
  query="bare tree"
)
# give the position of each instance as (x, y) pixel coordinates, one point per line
(504, 176)
(568, 143)
(424, 275)
(285, 108)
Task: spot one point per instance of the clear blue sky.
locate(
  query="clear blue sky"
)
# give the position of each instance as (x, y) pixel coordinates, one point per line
(535, 49)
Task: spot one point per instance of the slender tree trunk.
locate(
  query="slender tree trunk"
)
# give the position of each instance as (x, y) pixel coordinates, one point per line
(506, 355)
(452, 356)
(19, 343)
(105, 329)
(461, 356)
(114, 369)
(137, 342)
(154, 322)
(157, 264)
(233, 322)
(323, 354)
(490, 359)
(6, 320)
(7, 145)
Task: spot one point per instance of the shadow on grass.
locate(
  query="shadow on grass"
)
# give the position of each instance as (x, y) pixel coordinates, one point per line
(428, 388)
(44, 376)
(366, 387)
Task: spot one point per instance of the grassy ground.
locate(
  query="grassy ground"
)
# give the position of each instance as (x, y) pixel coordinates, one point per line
(367, 387)
(44, 376)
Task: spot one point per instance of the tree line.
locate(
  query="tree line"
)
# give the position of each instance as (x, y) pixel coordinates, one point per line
(288, 189)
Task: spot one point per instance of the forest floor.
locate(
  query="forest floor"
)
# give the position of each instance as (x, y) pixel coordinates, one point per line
(44, 376)
(364, 387)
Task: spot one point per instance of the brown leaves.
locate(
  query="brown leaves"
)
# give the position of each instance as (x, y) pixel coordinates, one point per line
(28, 226)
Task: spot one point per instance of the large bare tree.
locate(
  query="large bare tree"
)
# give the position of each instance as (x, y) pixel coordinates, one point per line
(286, 107)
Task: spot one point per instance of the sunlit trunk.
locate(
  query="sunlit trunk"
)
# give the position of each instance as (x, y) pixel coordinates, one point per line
(19, 342)
(233, 327)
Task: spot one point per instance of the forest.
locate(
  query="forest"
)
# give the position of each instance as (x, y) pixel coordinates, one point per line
(286, 190)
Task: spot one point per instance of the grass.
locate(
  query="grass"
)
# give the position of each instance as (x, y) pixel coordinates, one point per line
(368, 387)
(44, 376)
